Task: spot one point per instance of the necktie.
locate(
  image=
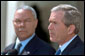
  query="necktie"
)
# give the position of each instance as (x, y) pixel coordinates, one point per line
(18, 47)
(58, 52)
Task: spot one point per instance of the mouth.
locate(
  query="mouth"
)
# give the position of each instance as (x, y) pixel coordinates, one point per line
(51, 34)
(21, 30)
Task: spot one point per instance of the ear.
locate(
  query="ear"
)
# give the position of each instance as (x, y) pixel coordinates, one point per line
(71, 29)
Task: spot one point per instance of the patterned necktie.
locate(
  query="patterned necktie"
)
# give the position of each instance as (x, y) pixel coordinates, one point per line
(18, 47)
(58, 52)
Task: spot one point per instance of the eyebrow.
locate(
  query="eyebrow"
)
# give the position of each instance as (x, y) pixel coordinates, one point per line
(25, 18)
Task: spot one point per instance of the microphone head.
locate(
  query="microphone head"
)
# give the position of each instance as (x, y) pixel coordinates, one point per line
(12, 52)
(4, 52)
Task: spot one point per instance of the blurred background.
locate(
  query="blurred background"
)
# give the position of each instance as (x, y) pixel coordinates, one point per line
(42, 8)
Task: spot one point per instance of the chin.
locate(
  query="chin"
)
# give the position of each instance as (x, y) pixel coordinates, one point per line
(22, 38)
(52, 39)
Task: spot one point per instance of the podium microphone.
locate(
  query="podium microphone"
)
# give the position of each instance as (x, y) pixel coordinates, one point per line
(10, 52)
(3, 53)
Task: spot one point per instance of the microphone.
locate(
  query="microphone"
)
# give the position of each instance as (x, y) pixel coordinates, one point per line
(3, 53)
(12, 52)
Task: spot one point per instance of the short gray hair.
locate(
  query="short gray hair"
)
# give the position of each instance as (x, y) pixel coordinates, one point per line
(29, 8)
(71, 16)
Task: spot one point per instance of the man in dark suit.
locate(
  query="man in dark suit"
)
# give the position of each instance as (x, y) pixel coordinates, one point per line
(27, 42)
(63, 29)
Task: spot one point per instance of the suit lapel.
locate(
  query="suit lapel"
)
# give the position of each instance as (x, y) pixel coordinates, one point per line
(70, 47)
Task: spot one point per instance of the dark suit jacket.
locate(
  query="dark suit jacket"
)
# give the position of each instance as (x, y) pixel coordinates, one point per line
(76, 47)
(35, 47)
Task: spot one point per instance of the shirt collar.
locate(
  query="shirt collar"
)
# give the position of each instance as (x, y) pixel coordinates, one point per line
(66, 44)
(24, 42)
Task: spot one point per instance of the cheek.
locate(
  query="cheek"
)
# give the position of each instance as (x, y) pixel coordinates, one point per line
(60, 32)
(29, 27)
(15, 26)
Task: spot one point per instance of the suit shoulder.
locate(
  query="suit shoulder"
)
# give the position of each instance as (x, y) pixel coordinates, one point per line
(78, 51)
(44, 45)
(9, 46)
(78, 47)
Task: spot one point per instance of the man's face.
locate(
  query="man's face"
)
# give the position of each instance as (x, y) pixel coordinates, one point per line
(57, 29)
(24, 23)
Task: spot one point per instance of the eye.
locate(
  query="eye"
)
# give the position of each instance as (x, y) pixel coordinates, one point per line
(55, 22)
(27, 20)
(17, 21)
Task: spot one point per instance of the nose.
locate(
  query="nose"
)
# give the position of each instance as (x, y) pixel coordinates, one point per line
(22, 24)
(50, 27)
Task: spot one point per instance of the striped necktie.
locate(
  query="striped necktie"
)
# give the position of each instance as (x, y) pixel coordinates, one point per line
(58, 52)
